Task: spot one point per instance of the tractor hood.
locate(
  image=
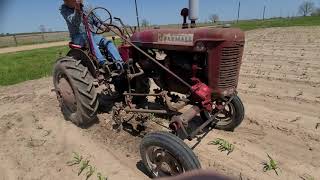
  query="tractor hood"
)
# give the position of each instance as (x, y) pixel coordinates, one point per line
(179, 38)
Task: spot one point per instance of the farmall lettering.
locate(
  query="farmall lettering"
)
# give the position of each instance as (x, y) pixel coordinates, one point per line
(175, 38)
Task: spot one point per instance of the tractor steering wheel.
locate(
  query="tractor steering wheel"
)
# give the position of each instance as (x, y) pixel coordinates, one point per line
(99, 20)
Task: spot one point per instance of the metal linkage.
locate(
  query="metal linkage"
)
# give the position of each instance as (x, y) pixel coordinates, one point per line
(211, 120)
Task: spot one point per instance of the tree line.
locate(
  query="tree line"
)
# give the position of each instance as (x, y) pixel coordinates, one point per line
(308, 8)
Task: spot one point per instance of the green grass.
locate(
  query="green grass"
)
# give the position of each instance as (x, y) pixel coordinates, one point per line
(278, 22)
(28, 65)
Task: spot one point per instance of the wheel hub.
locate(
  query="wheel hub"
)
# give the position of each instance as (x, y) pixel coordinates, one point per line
(163, 163)
(226, 113)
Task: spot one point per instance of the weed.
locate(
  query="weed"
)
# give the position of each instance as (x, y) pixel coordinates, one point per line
(307, 177)
(223, 145)
(76, 159)
(101, 177)
(152, 116)
(90, 172)
(271, 165)
(84, 164)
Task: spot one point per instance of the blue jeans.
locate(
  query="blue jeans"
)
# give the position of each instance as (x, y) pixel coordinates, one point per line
(100, 41)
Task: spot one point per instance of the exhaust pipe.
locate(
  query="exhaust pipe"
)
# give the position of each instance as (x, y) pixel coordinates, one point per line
(193, 12)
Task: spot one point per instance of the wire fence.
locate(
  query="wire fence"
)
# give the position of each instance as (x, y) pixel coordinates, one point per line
(34, 38)
(37, 38)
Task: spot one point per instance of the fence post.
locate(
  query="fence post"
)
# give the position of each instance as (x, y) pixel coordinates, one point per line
(43, 37)
(15, 40)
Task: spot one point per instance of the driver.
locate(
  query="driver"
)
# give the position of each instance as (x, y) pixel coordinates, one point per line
(70, 10)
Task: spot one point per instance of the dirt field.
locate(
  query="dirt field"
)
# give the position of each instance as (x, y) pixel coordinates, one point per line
(280, 87)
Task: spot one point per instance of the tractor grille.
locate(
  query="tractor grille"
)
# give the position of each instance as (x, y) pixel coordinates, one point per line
(229, 66)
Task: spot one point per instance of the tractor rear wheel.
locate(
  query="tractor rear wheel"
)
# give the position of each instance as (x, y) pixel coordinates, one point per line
(75, 91)
(164, 154)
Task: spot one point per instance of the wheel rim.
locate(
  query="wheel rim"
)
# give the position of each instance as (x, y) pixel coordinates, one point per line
(66, 95)
(162, 163)
(226, 116)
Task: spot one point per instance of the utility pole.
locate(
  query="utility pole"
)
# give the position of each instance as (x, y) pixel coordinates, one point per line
(137, 14)
(238, 11)
(264, 11)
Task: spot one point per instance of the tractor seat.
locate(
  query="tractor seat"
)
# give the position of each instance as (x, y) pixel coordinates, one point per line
(74, 46)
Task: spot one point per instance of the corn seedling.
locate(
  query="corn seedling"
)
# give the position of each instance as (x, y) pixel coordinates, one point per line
(152, 116)
(76, 159)
(101, 177)
(90, 172)
(271, 165)
(84, 164)
(223, 145)
(307, 177)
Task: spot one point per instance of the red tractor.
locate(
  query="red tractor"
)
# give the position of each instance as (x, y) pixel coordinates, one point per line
(194, 68)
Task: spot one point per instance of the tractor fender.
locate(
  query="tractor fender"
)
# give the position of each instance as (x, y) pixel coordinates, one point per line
(86, 60)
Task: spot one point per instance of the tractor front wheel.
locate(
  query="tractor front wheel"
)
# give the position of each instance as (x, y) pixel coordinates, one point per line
(230, 117)
(75, 91)
(164, 154)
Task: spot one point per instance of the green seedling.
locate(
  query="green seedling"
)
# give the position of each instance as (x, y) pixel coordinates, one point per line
(223, 145)
(307, 177)
(101, 177)
(76, 159)
(90, 172)
(83, 166)
(271, 165)
(152, 115)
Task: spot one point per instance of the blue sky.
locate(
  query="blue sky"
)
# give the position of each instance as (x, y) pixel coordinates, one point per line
(27, 15)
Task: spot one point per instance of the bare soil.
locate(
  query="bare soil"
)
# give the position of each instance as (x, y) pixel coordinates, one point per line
(280, 87)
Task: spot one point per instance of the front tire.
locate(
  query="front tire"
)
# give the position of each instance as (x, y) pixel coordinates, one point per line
(164, 154)
(231, 117)
(75, 91)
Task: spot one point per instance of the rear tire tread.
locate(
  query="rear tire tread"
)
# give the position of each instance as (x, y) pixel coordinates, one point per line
(82, 84)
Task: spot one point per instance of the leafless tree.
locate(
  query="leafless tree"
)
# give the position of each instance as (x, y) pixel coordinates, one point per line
(214, 18)
(306, 8)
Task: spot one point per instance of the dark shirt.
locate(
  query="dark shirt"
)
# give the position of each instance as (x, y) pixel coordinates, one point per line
(75, 24)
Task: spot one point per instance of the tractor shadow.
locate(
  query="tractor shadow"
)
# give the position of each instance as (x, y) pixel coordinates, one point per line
(141, 167)
(106, 103)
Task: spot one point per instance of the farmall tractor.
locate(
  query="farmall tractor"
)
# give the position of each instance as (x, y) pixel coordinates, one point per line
(196, 71)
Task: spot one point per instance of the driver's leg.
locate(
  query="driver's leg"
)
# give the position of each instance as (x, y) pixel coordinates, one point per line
(96, 41)
(112, 49)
